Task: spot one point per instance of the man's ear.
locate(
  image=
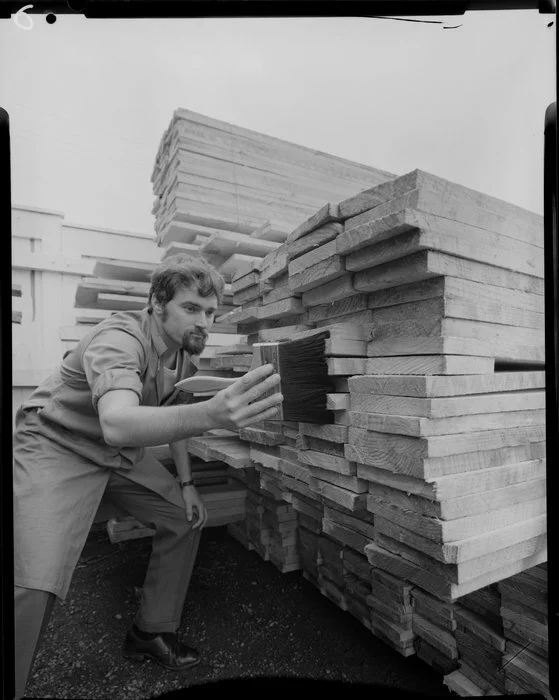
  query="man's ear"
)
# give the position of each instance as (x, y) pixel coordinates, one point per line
(158, 307)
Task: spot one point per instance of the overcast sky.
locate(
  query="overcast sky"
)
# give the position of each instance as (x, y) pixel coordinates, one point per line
(90, 99)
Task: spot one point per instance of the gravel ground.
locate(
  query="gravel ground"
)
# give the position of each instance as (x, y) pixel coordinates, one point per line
(247, 619)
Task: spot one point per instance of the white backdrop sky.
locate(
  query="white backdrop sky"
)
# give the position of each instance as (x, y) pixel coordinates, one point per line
(90, 99)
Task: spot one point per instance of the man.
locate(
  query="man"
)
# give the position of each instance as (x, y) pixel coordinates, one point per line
(80, 436)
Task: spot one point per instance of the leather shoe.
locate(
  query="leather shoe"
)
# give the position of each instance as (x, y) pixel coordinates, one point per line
(165, 649)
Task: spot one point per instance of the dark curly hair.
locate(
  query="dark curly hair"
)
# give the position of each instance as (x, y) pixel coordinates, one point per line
(184, 270)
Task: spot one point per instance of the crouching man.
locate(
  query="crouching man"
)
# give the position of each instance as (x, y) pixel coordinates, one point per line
(80, 436)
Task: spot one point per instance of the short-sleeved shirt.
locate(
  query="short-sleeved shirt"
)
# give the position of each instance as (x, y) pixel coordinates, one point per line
(124, 351)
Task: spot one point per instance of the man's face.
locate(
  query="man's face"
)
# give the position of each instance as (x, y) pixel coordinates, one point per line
(187, 319)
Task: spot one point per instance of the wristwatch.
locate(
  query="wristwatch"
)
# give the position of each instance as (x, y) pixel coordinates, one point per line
(190, 482)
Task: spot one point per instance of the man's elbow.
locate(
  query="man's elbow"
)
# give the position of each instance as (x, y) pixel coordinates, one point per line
(113, 434)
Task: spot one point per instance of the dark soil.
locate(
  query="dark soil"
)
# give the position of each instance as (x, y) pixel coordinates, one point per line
(247, 619)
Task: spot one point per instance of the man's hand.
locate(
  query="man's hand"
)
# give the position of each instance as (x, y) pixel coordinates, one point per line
(241, 404)
(192, 501)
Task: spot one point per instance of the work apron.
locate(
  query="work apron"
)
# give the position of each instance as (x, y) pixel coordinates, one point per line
(57, 491)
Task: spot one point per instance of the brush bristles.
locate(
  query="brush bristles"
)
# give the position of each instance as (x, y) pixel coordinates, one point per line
(304, 377)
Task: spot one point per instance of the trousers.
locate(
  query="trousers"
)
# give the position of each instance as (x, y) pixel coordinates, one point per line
(50, 531)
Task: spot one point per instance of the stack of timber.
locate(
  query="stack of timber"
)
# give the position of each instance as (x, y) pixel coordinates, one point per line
(480, 644)
(501, 636)
(310, 514)
(391, 608)
(524, 611)
(430, 481)
(458, 510)
(434, 624)
(211, 176)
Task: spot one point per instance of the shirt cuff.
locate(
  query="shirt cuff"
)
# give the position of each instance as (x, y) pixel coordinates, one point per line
(115, 379)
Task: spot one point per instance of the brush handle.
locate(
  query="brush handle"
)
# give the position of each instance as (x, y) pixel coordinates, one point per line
(206, 385)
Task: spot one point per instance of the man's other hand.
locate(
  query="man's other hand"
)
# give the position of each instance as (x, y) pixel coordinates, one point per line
(193, 502)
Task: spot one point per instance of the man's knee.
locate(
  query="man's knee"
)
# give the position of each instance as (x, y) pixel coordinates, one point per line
(175, 520)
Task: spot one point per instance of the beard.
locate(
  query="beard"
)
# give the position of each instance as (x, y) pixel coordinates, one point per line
(194, 343)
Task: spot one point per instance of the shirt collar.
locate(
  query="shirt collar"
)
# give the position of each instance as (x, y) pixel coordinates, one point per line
(157, 339)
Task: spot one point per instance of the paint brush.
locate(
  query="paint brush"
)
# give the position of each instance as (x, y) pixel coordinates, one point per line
(304, 379)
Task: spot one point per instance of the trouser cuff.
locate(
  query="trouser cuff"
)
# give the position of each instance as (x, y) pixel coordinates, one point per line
(154, 626)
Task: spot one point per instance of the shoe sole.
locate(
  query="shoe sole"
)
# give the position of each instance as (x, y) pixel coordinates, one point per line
(140, 657)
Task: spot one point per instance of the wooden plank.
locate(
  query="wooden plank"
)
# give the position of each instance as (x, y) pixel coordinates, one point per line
(342, 366)
(338, 402)
(351, 483)
(487, 688)
(312, 240)
(274, 264)
(433, 657)
(267, 459)
(468, 570)
(243, 280)
(438, 196)
(329, 213)
(442, 640)
(443, 307)
(426, 427)
(466, 462)
(345, 535)
(121, 302)
(427, 387)
(361, 523)
(271, 335)
(459, 289)
(433, 584)
(456, 485)
(261, 437)
(227, 243)
(467, 549)
(126, 270)
(336, 494)
(431, 345)
(317, 275)
(279, 292)
(330, 433)
(342, 307)
(280, 309)
(394, 452)
(336, 290)
(522, 671)
(234, 138)
(294, 470)
(461, 506)
(457, 682)
(305, 442)
(448, 531)
(242, 314)
(506, 343)
(477, 626)
(432, 608)
(428, 364)
(426, 264)
(429, 232)
(323, 252)
(272, 230)
(229, 449)
(325, 461)
(89, 288)
(235, 262)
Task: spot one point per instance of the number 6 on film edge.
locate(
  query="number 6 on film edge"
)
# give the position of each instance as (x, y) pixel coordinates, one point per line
(19, 15)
